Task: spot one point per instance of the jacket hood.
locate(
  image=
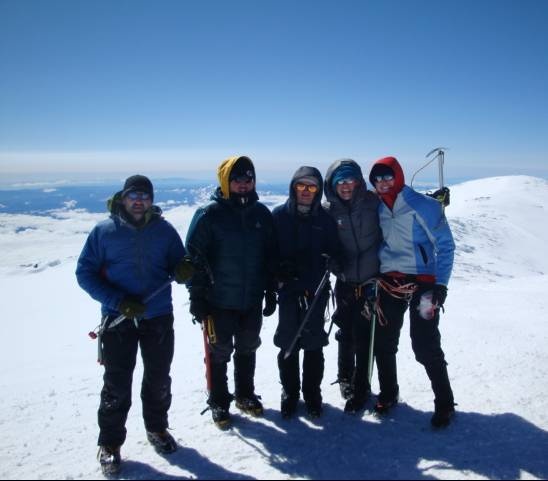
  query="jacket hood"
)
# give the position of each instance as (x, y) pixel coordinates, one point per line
(330, 193)
(393, 164)
(306, 172)
(224, 171)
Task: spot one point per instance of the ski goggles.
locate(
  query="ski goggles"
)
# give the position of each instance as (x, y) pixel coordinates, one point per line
(310, 188)
(138, 195)
(383, 178)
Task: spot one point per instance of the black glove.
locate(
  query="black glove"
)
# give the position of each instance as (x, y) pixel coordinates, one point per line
(287, 271)
(442, 196)
(184, 270)
(334, 267)
(131, 308)
(270, 302)
(439, 294)
(200, 309)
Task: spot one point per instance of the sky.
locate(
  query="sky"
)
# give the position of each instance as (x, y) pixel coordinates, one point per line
(174, 87)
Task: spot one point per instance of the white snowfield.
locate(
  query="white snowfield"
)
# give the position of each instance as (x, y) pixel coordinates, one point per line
(495, 336)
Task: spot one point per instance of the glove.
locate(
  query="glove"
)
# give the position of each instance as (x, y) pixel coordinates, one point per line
(334, 267)
(200, 309)
(287, 271)
(131, 308)
(270, 302)
(443, 196)
(184, 270)
(439, 294)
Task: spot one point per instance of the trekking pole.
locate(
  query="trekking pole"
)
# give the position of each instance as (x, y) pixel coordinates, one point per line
(371, 360)
(98, 332)
(317, 295)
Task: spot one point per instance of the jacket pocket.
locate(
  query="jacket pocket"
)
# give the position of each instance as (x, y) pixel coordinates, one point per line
(423, 254)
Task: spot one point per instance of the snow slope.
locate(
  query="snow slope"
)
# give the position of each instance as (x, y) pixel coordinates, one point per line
(494, 335)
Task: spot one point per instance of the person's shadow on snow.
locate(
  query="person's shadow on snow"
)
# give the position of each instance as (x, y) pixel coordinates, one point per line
(186, 458)
(401, 445)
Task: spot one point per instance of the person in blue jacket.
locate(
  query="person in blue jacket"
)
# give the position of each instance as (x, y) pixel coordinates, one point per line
(307, 239)
(124, 260)
(416, 260)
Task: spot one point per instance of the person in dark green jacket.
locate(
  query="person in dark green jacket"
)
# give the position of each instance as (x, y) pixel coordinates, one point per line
(231, 240)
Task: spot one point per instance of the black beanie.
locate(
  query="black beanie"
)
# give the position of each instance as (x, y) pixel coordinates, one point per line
(243, 168)
(380, 169)
(138, 183)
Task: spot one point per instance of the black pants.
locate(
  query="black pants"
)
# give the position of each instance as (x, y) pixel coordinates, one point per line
(353, 337)
(426, 343)
(313, 369)
(238, 332)
(155, 337)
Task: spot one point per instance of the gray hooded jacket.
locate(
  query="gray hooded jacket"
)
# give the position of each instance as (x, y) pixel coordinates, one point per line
(358, 226)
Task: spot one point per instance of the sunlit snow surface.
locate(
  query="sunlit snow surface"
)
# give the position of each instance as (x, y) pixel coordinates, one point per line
(495, 336)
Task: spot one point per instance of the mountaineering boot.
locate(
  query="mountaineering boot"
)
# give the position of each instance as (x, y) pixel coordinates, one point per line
(291, 383)
(219, 397)
(221, 416)
(345, 365)
(289, 405)
(346, 388)
(382, 406)
(110, 460)
(244, 372)
(442, 416)
(163, 442)
(314, 408)
(250, 405)
(355, 404)
(313, 369)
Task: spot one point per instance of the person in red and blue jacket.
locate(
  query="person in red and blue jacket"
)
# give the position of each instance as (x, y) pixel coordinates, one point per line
(417, 251)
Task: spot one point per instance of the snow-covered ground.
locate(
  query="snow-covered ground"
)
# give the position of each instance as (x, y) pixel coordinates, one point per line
(495, 337)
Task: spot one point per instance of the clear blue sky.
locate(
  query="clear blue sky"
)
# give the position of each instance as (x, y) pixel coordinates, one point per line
(176, 86)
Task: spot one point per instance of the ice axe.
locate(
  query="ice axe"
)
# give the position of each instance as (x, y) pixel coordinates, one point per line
(317, 295)
(442, 194)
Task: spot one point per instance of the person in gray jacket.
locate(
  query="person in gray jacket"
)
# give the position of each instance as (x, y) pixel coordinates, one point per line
(354, 209)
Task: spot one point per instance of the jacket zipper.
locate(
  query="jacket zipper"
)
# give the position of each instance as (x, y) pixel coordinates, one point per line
(358, 268)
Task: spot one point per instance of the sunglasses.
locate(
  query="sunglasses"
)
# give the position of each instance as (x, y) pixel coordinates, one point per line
(347, 181)
(138, 195)
(385, 178)
(310, 188)
(243, 179)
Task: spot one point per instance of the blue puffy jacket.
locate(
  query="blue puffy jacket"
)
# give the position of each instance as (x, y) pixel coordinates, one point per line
(120, 259)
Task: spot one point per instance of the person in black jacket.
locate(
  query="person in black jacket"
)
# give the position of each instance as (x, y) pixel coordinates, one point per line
(232, 244)
(306, 237)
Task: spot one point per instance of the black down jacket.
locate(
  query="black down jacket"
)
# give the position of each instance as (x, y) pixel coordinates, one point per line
(302, 241)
